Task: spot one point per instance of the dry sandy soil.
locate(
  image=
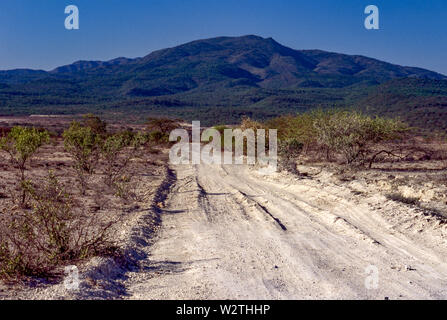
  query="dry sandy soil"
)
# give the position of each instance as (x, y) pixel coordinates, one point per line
(146, 172)
(231, 232)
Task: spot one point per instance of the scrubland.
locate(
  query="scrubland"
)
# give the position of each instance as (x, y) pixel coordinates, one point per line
(351, 191)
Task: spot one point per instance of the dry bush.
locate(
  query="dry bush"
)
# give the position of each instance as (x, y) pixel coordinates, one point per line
(126, 188)
(353, 135)
(410, 148)
(54, 232)
(289, 151)
(117, 151)
(93, 148)
(160, 128)
(93, 122)
(84, 145)
(330, 133)
(56, 228)
(248, 123)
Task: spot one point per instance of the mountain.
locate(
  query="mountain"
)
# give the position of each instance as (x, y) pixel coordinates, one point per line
(86, 65)
(21, 76)
(216, 79)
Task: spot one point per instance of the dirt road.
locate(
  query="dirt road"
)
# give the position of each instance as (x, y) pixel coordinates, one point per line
(229, 232)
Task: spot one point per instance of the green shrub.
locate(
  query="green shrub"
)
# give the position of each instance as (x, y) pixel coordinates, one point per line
(21, 144)
(83, 144)
(163, 125)
(160, 129)
(353, 134)
(158, 137)
(347, 133)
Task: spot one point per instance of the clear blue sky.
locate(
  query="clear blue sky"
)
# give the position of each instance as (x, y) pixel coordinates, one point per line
(32, 33)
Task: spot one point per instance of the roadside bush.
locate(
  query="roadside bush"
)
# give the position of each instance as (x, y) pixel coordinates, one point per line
(352, 134)
(158, 137)
(248, 123)
(83, 144)
(288, 151)
(300, 128)
(160, 129)
(21, 144)
(112, 151)
(55, 231)
(349, 134)
(163, 125)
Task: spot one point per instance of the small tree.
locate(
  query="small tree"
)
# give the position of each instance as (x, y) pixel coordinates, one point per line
(160, 128)
(21, 144)
(98, 126)
(164, 125)
(83, 144)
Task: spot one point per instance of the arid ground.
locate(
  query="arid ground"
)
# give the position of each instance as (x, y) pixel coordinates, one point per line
(231, 232)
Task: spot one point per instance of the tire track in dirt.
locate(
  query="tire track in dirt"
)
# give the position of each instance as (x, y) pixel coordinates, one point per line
(265, 210)
(229, 233)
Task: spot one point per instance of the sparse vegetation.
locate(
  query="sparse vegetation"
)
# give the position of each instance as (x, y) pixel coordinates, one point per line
(116, 160)
(352, 134)
(160, 128)
(288, 151)
(95, 123)
(59, 226)
(54, 231)
(332, 133)
(84, 145)
(21, 143)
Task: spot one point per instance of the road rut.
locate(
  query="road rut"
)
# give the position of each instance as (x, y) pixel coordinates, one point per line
(228, 232)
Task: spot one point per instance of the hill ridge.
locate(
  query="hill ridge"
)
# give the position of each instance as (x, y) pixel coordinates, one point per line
(211, 78)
